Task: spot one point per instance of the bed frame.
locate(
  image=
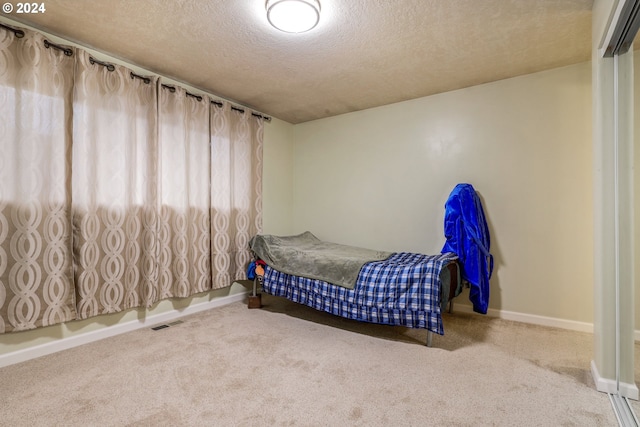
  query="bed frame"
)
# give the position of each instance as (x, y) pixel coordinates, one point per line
(255, 299)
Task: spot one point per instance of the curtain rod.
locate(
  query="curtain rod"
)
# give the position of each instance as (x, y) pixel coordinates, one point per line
(67, 50)
(241, 110)
(198, 97)
(146, 80)
(110, 67)
(172, 89)
(18, 33)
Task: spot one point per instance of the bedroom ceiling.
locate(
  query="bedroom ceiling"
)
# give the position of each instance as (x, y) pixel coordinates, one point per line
(362, 54)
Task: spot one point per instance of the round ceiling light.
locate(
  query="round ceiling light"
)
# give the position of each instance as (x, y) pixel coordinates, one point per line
(293, 16)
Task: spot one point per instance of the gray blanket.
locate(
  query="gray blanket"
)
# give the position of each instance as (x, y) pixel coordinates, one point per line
(307, 256)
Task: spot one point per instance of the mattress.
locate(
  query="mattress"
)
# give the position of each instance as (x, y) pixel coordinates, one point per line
(406, 289)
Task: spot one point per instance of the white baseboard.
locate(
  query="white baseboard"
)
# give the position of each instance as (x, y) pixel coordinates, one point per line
(529, 318)
(606, 385)
(85, 338)
(536, 320)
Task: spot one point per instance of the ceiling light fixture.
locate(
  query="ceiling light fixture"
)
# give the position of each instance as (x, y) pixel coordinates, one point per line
(293, 16)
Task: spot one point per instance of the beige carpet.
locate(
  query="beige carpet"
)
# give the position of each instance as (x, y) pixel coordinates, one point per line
(289, 365)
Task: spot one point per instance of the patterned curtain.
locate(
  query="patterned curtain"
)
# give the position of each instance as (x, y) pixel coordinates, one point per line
(115, 191)
(236, 190)
(184, 221)
(115, 188)
(36, 272)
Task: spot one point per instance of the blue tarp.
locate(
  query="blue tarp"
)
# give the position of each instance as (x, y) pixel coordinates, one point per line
(467, 234)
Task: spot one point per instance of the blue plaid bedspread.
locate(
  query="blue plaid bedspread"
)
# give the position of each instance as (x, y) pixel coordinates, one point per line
(402, 290)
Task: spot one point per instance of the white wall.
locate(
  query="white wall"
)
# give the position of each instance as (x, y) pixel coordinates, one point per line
(379, 178)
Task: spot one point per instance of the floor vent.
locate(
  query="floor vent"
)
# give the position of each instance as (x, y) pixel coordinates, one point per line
(166, 325)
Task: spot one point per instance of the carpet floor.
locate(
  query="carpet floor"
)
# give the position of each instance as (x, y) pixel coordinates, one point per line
(289, 365)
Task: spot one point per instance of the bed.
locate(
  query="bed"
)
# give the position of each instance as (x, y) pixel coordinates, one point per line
(401, 288)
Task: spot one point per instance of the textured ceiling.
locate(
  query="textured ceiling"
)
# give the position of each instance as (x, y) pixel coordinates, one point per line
(362, 54)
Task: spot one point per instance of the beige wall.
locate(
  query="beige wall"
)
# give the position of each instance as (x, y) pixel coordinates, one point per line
(277, 190)
(379, 178)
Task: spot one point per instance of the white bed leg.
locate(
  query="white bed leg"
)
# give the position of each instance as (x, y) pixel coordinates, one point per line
(429, 338)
